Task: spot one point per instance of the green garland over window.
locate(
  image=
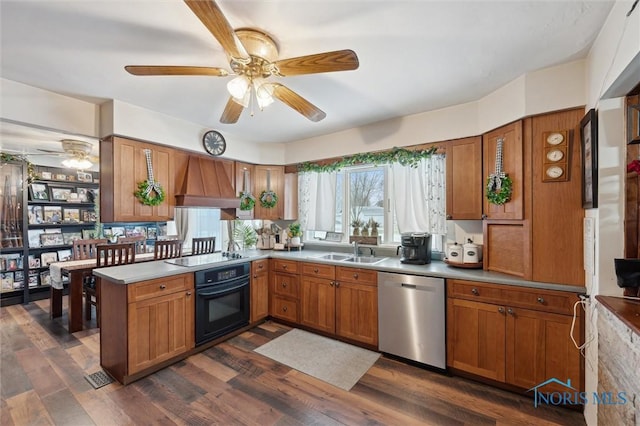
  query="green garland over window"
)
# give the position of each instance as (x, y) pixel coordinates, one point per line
(403, 156)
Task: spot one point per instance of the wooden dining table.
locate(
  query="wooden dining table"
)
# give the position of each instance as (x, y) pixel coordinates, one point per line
(75, 270)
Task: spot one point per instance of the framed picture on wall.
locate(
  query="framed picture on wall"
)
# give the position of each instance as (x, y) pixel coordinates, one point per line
(589, 154)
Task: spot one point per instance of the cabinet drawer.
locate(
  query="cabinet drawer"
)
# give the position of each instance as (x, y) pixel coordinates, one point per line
(474, 291)
(285, 285)
(261, 265)
(159, 287)
(319, 270)
(541, 300)
(356, 275)
(280, 265)
(284, 308)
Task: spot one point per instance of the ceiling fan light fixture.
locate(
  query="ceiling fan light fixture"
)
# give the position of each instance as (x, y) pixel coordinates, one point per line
(238, 87)
(77, 163)
(264, 92)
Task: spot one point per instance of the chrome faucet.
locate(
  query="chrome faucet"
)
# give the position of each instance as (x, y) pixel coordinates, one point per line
(356, 249)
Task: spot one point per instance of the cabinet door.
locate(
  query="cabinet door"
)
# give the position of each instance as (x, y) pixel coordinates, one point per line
(259, 290)
(159, 329)
(273, 177)
(512, 165)
(476, 338)
(244, 182)
(357, 312)
(464, 178)
(123, 165)
(539, 347)
(317, 303)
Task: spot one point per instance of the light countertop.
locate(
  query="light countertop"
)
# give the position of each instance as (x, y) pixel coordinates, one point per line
(128, 274)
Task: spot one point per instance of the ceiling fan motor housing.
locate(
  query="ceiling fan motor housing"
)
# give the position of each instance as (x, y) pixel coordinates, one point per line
(262, 49)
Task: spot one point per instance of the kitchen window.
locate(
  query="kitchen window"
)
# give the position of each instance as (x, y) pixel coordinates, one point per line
(399, 198)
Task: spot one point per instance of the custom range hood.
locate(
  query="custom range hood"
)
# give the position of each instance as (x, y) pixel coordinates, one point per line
(208, 183)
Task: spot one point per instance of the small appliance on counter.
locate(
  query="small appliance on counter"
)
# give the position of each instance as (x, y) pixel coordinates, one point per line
(416, 248)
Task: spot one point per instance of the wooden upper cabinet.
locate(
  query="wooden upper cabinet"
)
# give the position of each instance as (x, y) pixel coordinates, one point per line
(512, 165)
(464, 178)
(272, 176)
(291, 196)
(122, 166)
(243, 179)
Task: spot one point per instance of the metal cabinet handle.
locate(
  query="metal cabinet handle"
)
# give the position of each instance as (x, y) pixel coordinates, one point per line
(501, 310)
(449, 217)
(355, 276)
(510, 311)
(315, 270)
(284, 285)
(484, 216)
(260, 266)
(475, 291)
(331, 283)
(541, 300)
(162, 286)
(337, 284)
(255, 276)
(284, 266)
(188, 293)
(284, 309)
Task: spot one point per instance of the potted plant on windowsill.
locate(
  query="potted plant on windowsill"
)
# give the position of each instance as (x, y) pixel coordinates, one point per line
(295, 234)
(356, 224)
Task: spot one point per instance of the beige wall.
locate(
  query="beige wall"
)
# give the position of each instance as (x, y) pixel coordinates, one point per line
(545, 90)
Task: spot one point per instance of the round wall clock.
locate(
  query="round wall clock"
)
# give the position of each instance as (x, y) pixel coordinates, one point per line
(214, 142)
(555, 138)
(554, 172)
(555, 155)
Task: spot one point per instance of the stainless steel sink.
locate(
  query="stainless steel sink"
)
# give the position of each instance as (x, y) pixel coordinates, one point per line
(365, 259)
(334, 256)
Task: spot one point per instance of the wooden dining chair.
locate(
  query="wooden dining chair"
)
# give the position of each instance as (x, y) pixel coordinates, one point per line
(167, 249)
(106, 255)
(86, 249)
(139, 240)
(203, 245)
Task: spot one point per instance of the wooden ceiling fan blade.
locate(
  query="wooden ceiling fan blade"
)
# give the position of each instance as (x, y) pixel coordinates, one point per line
(212, 17)
(297, 102)
(175, 70)
(338, 60)
(231, 112)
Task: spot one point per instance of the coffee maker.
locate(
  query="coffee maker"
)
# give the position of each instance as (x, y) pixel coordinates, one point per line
(416, 248)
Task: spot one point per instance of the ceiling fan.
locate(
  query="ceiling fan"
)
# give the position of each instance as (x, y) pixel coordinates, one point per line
(77, 153)
(253, 58)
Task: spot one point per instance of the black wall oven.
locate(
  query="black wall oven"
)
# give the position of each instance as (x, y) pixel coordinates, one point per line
(222, 301)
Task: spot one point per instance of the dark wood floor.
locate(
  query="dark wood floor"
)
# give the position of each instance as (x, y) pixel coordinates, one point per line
(43, 367)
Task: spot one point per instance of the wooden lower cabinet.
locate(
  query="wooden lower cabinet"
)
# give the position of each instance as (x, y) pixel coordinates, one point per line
(346, 305)
(259, 290)
(521, 337)
(145, 324)
(284, 290)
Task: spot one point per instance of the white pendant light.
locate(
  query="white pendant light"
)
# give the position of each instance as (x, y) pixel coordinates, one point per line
(264, 92)
(77, 163)
(238, 87)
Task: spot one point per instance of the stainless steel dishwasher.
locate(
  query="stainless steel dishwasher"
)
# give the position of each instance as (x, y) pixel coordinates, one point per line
(411, 317)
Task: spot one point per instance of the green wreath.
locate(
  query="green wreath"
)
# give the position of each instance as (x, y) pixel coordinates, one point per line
(501, 196)
(149, 198)
(268, 199)
(247, 201)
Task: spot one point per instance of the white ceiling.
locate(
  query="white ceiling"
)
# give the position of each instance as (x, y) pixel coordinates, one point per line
(414, 56)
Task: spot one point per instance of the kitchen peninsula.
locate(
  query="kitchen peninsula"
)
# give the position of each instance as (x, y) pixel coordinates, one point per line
(149, 309)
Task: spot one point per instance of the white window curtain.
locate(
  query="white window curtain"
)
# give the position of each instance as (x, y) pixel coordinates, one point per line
(317, 201)
(419, 197)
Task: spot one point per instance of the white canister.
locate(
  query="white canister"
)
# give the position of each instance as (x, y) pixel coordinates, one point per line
(472, 252)
(455, 253)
